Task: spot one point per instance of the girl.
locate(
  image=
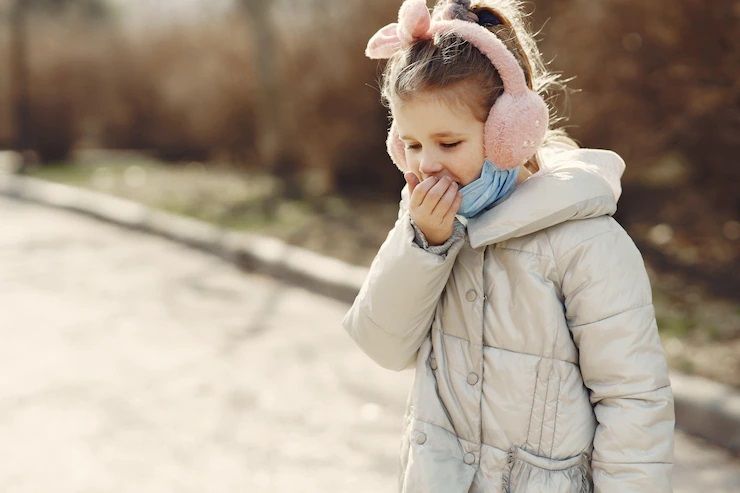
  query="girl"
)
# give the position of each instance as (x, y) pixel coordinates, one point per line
(523, 306)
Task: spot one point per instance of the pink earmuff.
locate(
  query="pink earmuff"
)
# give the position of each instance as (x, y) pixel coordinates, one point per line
(518, 120)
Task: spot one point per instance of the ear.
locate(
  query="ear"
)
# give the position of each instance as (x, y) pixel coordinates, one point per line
(384, 43)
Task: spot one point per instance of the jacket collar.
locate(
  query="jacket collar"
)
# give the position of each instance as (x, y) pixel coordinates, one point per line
(570, 184)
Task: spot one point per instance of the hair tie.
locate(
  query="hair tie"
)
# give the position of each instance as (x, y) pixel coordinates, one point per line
(488, 18)
(457, 9)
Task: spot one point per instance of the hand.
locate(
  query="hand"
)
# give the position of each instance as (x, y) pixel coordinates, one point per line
(433, 204)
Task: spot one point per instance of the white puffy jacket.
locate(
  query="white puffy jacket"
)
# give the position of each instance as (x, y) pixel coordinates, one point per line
(538, 366)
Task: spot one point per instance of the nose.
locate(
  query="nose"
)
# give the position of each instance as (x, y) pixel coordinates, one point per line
(429, 165)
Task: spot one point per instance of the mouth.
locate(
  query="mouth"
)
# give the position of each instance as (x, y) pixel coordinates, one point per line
(460, 185)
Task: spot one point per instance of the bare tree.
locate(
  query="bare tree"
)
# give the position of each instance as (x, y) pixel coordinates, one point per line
(19, 100)
(274, 132)
(23, 139)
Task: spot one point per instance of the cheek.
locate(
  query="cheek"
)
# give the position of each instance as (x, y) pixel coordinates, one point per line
(412, 164)
(473, 164)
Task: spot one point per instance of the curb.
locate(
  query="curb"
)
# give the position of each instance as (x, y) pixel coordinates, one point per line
(707, 409)
(703, 407)
(256, 253)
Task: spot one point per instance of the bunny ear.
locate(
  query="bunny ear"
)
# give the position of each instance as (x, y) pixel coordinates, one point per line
(384, 43)
(413, 20)
(413, 23)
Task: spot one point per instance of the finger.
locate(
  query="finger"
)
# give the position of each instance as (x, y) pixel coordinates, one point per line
(412, 180)
(445, 201)
(434, 194)
(421, 190)
(454, 207)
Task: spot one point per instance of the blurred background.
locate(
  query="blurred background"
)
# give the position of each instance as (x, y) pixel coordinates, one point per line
(266, 117)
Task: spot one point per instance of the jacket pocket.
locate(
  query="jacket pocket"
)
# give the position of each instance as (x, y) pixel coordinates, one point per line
(526, 472)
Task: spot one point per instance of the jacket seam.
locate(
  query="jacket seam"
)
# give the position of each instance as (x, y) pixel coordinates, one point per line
(534, 394)
(453, 433)
(544, 409)
(380, 327)
(557, 395)
(523, 251)
(554, 258)
(558, 258)
(530, 354)
(453, 335)
(555, 419)
(614, 314)
(505, 349)
(636, 463)
(547, 391)
(414, 417)
(633, 394)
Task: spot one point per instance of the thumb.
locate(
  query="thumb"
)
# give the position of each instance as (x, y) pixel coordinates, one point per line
(412, 180)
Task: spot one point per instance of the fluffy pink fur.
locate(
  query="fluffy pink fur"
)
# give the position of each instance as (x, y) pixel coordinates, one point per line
(384, 43)
(413, 21)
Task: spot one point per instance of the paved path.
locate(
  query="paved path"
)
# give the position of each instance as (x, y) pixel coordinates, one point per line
(129, 363)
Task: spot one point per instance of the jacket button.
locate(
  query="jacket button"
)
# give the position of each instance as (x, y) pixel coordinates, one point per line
(433, 363)
(472, 378)
(421, 437)
(471, 295)
(469, 458)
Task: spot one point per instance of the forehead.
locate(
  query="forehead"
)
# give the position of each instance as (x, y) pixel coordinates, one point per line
(428, 114)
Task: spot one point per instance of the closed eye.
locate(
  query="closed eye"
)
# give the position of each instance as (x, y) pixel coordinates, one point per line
(446, 146)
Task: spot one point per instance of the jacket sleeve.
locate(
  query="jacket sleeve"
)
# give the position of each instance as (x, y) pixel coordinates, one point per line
(609, 309)
(420, 239)
(393, 311)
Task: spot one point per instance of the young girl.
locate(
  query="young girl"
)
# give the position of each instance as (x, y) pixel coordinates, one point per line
(523, 306)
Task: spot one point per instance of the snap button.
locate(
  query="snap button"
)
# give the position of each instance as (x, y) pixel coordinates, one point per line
(421, 437)
(472, 378)
(471, 295)
(469, 458)
(433, 363)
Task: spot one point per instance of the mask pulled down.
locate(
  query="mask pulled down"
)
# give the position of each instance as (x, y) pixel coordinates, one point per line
(490, 188)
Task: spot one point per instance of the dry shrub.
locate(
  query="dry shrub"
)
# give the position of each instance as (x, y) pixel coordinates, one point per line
(182, 92)
(6, 124)
(657, 78)
(334, 102)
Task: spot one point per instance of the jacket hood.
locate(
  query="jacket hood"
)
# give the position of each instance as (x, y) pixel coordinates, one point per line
(570, 184)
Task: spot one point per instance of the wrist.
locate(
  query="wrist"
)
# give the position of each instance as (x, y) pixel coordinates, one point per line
(436, 241)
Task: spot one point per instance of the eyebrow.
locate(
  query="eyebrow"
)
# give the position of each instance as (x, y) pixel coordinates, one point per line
(438, 134)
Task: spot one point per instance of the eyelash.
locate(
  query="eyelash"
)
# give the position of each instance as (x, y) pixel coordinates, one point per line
(446, 146)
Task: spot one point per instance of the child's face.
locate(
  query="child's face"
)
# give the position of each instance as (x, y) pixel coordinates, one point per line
(440, 140)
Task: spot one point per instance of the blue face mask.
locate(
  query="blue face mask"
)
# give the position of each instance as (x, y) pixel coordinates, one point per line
(491, 187)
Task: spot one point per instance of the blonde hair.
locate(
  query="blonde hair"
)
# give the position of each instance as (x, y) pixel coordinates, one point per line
(468, 77)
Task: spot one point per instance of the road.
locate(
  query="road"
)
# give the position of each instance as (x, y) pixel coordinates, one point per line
(132, 363)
